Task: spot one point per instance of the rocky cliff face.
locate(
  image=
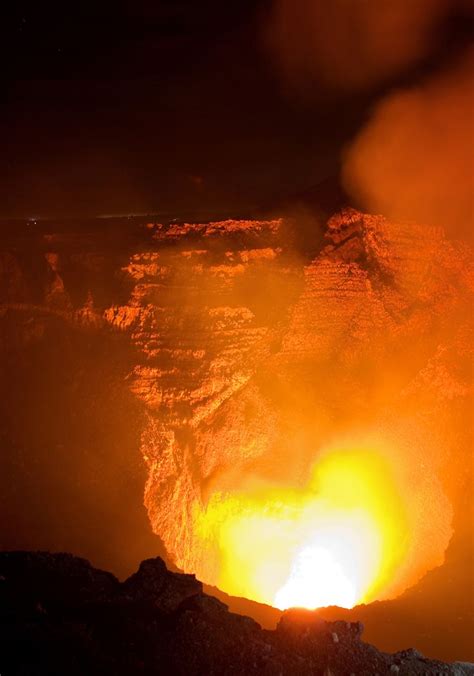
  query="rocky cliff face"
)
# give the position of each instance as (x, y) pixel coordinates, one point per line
(60, 615)
(231, 357)
(71, 475)
(252, 359)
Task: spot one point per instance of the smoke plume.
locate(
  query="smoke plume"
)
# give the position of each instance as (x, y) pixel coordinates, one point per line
(346, 44)
(414, 160)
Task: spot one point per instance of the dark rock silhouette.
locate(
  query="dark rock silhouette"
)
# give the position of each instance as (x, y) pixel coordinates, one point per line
(59, 615)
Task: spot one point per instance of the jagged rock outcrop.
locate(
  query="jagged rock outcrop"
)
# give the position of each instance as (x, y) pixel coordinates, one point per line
(59, 615)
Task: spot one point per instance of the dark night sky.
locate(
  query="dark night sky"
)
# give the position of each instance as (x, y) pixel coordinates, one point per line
(155, 105)
(151, 105)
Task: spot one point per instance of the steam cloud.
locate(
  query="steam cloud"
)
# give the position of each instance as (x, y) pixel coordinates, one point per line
(414, 160)
(350, 44)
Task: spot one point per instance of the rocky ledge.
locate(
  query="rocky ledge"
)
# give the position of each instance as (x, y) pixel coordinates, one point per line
(59, 615)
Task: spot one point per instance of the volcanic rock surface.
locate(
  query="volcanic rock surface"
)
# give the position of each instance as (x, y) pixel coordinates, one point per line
(252, 358)
(59, 615)
(224, 350)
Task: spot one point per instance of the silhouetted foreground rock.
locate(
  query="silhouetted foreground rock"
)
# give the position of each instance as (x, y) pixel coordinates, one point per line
(59, 615)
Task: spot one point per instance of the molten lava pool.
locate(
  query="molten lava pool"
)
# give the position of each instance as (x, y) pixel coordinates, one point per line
(337, 541)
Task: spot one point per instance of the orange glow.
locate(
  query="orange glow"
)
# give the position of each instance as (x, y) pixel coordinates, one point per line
(305, 419)
(336, 541)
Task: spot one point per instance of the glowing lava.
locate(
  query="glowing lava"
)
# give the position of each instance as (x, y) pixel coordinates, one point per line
(337, 541)
(317, 579)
